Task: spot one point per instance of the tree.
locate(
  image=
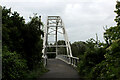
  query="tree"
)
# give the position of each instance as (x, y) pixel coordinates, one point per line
(113, 33)
(23, 42)
(78, 48)
(109, 68)
(32, 42)
(92, 55)
(62, 50)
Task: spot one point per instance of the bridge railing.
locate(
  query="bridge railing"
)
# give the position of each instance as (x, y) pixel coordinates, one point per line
(74, 61)
(44, 60)
(69, 60)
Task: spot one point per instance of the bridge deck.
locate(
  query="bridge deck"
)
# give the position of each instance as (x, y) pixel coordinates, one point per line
(59, 69)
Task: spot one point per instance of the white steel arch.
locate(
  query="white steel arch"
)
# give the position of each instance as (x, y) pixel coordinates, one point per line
(55, 22)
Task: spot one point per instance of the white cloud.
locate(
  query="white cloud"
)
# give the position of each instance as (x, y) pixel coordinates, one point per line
(82, 18)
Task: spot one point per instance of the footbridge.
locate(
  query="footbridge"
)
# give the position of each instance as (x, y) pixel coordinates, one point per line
(53, 29)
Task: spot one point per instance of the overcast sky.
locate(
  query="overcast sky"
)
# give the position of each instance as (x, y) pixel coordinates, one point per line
(82, 18)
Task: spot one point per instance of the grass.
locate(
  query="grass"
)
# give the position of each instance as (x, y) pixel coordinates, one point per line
(36, 73)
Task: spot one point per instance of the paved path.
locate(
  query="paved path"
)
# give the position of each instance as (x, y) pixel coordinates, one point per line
(59, 69)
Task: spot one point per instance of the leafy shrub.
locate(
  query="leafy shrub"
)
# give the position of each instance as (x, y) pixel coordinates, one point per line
(14, 67)
(34, 74)
(92, 56)
(109, 68)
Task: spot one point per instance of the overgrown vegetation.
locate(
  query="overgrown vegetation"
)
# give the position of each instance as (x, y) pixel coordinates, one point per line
(22, 46)
(101, 61)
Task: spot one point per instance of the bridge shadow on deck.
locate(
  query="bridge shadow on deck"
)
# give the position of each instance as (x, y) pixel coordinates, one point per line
(59, 70)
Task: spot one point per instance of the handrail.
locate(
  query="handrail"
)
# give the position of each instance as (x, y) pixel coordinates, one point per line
(69, 60)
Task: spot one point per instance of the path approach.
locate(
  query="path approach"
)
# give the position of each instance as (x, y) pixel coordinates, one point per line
(59, 69)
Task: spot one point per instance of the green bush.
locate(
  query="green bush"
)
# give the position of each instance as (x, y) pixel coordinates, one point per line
(14, 67)
(23, 42)
(78, 48)
(93, 55)
(34, 74)
(110, 67)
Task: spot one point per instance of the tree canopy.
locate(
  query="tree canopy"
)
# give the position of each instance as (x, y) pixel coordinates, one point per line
(22, 44)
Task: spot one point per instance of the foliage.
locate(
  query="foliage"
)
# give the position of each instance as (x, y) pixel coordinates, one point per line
(22, 39)
(39, 70)
(12, 25)
(92, 55)
(113, 33)
(109, 68)
(101, 61)
(62, 50)
(51, 49)
(14, 67)
(32, 42)
(117, 11)
(78, 48)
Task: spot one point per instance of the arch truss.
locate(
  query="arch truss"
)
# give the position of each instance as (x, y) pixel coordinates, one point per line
(54, 26)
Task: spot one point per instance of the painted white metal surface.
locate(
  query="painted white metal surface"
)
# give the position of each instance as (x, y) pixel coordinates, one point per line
(54, 23)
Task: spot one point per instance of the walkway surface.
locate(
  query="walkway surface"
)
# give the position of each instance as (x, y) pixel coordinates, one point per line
(59, 69)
